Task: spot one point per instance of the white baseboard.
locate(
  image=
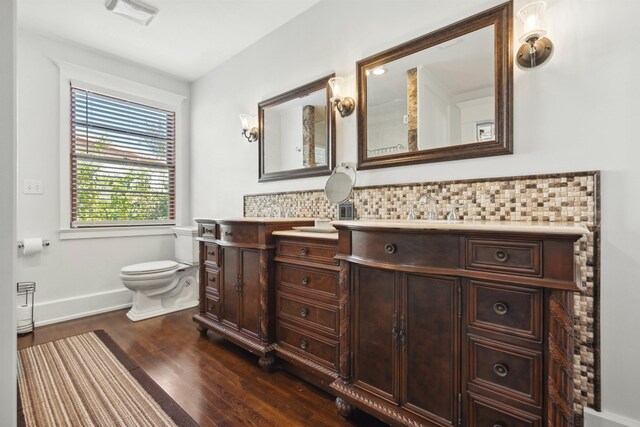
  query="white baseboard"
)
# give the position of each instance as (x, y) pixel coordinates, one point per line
(606, 419)
(55, 311)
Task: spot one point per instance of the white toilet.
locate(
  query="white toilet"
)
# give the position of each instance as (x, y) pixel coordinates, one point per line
(162, 287)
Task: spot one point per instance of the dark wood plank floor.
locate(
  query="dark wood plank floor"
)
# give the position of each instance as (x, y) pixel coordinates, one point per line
(217, 383)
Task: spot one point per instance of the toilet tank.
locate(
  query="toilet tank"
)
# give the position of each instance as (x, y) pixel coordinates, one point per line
(186, 245)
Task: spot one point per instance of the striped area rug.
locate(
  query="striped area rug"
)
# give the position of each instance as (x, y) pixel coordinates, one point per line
(88, 380)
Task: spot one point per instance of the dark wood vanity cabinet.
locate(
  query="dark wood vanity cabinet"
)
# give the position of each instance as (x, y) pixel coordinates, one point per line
(237, 281)
(459, 328)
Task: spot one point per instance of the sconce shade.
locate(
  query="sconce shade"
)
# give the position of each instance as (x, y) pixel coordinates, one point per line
(245, 121)
(336, 84)
(533, 23)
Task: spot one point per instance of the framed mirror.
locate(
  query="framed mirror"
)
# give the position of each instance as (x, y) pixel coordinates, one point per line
(297, 133)
(444, 96)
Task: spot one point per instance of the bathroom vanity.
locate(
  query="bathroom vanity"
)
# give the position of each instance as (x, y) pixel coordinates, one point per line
(237, 280)
(415, 322)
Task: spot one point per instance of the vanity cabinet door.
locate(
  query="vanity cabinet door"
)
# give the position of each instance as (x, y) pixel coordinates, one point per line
(375, 326)
(250, 291)
(230, 287)
(429, 331)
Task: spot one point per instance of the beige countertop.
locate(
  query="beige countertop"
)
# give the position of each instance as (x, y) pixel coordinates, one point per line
(253, 219)
(307, 234)
(503, 226)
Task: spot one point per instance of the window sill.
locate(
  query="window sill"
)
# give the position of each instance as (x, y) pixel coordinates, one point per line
(99, 233)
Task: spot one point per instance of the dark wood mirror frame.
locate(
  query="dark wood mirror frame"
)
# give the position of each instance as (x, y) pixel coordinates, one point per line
(502, 18)
(322, 83)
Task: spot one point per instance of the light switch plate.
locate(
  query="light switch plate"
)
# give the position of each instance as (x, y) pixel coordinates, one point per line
(32, 186)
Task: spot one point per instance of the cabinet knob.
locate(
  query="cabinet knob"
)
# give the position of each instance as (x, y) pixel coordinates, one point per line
(303, 344)
(500, 308)
(305, 281)
(498, 425)
(211, 253)
(304, 251)
(212, 279)
(390, 248)
(304, 312)
(501, 255)
(227, 233)
(210, 308)
(500, 370)
(206, 230)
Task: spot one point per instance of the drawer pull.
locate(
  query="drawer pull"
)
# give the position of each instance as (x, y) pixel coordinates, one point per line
(500, 370)
(304, 312)
(305, 281)
(304, 251)
(206, 230)
(227, 233)
(498, 425)
(390, 248)
(501, 255)
(211, 253)
(303, 344)
(210, 308)
(212, 279)
(500, 308)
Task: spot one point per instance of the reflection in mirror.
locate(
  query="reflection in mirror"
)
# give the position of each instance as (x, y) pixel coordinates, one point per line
(297, 133)
(441, 96)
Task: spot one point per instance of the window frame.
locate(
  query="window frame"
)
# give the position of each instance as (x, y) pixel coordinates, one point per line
(117, 87)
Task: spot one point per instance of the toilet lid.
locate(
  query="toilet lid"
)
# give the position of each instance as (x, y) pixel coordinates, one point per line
(150, 267)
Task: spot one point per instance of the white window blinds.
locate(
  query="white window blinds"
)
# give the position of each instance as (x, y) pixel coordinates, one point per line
(122, 162)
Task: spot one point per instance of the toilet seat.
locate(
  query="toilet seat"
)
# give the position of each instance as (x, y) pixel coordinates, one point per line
(148, 268)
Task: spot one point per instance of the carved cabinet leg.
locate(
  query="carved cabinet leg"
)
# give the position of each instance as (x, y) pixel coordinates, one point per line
(202, 330)
(344, 408)
(267, 362)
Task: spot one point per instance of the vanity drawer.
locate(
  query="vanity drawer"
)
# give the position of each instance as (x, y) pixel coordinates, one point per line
(207, 230)
(506, 256)
(513, 372)
(506, 309)
(321, 350)
(239, 233)
(308, 282)
(212, 280)
(315, 316)
(429, 250)
(306, 251)
(211, 254)
(212, 307)
(485, 412)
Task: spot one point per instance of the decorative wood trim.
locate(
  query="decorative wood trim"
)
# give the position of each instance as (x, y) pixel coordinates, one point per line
(234, 336)
(294, 357)
(375, 406)
(560, 359)
(344, 319)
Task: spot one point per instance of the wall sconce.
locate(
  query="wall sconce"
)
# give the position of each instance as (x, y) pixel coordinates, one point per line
(248, 131)
(344, 106)
(536, 48)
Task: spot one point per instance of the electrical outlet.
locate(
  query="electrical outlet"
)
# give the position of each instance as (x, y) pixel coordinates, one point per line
(32, 186)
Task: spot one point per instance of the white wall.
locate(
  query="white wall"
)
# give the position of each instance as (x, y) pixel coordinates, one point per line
(7, 214)
(577, 112)
(74, 277)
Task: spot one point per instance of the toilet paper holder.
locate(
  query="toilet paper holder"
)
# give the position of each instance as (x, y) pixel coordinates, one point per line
(44, 244)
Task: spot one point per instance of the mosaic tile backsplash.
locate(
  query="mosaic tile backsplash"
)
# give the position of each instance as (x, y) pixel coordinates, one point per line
(568, 197)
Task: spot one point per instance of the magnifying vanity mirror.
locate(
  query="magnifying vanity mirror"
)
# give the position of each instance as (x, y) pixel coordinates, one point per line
(443, 96)
(340, 184)
(297, 133)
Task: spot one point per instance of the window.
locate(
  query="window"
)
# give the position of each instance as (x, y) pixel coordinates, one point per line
(122, 162)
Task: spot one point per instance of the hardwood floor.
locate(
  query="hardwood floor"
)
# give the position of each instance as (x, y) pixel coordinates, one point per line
(217, 383)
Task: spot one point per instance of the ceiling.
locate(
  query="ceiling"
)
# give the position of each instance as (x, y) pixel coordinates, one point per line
(187, 38)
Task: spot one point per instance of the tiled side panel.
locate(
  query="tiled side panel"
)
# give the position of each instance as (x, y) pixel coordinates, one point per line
(571, 197)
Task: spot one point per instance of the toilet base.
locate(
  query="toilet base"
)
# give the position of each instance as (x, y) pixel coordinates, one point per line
(137, 315)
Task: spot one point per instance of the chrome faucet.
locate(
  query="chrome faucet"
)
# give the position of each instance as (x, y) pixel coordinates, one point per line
(432, 206)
